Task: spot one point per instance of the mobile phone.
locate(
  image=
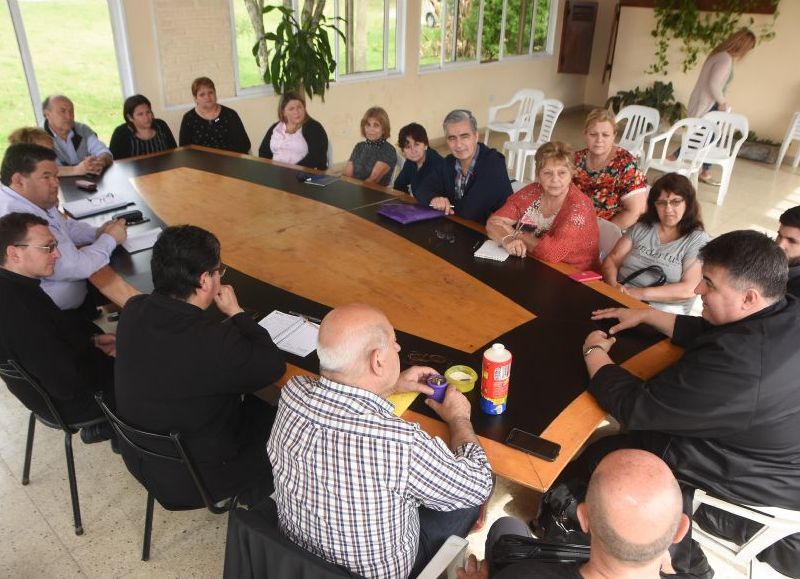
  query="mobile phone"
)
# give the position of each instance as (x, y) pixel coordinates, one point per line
(86, 185)
(532, 444)
(131, 217)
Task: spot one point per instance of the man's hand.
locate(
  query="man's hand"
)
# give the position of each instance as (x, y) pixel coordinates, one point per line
(226, 301)
(515, 246)
(106, 343)
(628, 317)
(442, 204)
(474, 569)
(599, 338)
(453, 408)
(116, 229)
(94, 165)
(413, 380)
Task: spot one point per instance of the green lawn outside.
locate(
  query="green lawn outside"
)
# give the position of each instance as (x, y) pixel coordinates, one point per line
(72, 49)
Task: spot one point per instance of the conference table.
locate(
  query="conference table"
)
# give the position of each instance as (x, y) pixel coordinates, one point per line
(293, 246)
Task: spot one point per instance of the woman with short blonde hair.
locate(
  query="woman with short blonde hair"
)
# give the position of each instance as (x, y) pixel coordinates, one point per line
(373, 159)
(211, 124)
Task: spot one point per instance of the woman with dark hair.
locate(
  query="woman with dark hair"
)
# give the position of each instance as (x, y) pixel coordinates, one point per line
(141, 133)
(296, 138)
(211, 124)
(421, 159)
(656, 260)
(374, 158)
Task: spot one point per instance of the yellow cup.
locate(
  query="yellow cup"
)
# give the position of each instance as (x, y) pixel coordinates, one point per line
(462, 377)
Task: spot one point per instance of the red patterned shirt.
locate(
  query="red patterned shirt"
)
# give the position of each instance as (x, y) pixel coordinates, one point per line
(612, 184)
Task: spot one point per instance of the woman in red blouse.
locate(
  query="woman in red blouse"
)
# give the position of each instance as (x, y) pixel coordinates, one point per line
(550, 219)
(608, 174)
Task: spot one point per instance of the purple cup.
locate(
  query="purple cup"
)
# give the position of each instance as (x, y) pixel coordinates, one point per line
(439, 385)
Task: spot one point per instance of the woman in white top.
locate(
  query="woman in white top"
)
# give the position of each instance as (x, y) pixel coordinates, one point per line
(715, 76)
(296, 138)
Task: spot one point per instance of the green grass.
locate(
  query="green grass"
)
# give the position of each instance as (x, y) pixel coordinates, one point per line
(72, 49)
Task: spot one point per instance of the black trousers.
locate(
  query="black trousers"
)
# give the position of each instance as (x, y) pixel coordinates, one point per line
(434, 529)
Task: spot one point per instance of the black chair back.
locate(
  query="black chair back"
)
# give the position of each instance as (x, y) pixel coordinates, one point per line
(21, 384)
(160, 446)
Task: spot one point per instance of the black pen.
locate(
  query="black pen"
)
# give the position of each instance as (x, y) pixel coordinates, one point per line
(477, 245)
(306, 318)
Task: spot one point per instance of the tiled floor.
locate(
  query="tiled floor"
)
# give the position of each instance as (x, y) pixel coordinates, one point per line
(38, 539)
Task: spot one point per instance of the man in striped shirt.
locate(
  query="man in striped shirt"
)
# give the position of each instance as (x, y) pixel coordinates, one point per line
(357, 485)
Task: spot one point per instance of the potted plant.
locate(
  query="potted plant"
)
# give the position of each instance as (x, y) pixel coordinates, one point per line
(298, 54)
(761, 149)
(660, 96)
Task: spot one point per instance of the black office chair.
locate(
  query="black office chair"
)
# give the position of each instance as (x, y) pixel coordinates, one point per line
(256, 547)
(163, 447)
(12, 372)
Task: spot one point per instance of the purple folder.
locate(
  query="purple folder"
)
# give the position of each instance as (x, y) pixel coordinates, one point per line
(408, 212)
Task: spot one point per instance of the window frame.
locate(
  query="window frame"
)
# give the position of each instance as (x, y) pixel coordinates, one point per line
(442, 65)
(119, 34)
(338, 77)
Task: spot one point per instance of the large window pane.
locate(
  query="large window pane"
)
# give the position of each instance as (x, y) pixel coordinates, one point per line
(14, 100)
(392, 41)
(430, 45)
(249, 73)
(542, 25)
(519, 15)
(72, 48)
(461, 29)
(363, 50)
(492, 22)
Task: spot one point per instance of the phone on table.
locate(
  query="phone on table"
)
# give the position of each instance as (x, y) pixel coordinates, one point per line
(532, 444)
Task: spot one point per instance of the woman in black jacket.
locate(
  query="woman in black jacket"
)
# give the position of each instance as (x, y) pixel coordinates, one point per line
(296, 139)
(141, 134)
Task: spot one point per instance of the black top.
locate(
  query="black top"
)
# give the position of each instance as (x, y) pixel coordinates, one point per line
(316, 138)
(125, 143)
(53, 346)
(486, 191)
(225, 132)
(177, 368)
(411, 176)
(793, 287)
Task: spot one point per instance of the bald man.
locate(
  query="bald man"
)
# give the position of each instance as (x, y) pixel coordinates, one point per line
(357, 485)
(633, 511)
(75, 144)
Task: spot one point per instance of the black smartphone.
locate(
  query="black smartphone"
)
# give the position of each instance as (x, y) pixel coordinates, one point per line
(532, 444)
(131, 217)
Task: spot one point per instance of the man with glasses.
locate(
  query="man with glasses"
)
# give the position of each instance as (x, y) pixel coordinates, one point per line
(182, 369)
(473, 181)
(29, 178)
(69, 356)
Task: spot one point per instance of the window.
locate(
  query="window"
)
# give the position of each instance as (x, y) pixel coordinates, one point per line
(459, 31)
(66, 46)
(371, 28)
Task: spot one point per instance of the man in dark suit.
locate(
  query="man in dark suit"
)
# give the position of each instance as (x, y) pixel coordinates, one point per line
(68, 355)
(473, 181)
(180, 369)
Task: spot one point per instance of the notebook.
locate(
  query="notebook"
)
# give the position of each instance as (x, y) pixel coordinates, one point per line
(490, 250)
(408, 212)
(94, 205)
(293, 334)
(141, 240)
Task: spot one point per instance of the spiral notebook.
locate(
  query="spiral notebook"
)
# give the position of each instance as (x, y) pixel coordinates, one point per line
(490, 250)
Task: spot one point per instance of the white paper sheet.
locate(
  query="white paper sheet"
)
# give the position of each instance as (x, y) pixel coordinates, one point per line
(141, 239)
(292, 334)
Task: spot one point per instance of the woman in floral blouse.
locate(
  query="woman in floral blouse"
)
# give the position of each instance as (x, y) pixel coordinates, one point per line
(550, 219)
(608, 174)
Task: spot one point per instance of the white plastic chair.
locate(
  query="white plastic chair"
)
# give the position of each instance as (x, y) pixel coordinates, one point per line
(792, 134)
(609, 235)
(520, 151)
(727, 146)
(641, 122)
(526, 100)
(449, 558)
(778, 523)
(697, 139)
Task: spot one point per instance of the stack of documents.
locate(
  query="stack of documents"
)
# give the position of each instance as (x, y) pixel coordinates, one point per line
(141, 240)
(293, 334)
(491, 250)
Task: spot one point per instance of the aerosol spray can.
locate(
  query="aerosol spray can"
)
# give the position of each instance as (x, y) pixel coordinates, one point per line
(495, 375)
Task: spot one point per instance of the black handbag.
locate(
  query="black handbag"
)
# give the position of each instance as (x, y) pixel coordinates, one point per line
(557, 518)
(510, 549)
(661, 278)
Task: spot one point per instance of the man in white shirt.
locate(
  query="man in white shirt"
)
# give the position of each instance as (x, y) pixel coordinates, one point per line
(29, 184)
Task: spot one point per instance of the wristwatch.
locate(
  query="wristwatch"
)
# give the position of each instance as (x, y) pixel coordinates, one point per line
(589, 350)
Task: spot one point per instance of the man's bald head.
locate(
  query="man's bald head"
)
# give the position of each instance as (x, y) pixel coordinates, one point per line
(634, 506)
(347, 337)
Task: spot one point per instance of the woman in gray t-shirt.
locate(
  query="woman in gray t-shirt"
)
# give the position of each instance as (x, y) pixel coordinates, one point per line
(668, 235)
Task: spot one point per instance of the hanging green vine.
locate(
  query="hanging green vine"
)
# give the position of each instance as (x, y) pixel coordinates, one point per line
(699, 32)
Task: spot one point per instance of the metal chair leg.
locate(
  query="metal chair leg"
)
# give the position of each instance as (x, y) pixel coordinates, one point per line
(26, 469)
(73, 484)
(148, 527)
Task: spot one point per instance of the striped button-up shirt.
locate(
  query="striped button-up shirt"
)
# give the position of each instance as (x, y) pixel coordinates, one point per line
(350, 476)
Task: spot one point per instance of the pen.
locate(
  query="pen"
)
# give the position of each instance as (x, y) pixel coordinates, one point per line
(306, 318)
(477, 245)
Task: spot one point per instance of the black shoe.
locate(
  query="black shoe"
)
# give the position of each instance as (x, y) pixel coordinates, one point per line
(96, 433)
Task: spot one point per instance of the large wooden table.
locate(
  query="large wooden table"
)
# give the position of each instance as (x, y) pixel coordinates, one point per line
(293, 246)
